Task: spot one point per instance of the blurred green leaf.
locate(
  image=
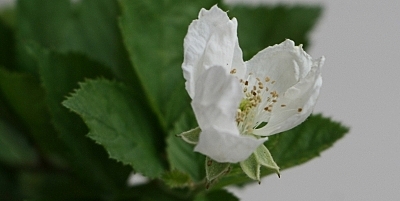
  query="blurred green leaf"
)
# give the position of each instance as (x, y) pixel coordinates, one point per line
(88, 26)
(180, 154)
(14, 147)
(295, 146)
(60, 74)
(7, 46)
(25, 97)
(55, 186)
(153, 33)
(9, 187)
(119, 123)
(260, 27)
(216, 195)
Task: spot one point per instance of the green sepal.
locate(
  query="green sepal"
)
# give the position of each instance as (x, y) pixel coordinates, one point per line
(265, 158)
(176, 179)
(215, 170)
(260, 157)
(251, 167)
(191, 136)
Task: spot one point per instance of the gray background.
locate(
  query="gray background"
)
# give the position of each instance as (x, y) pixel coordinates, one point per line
(360, 40)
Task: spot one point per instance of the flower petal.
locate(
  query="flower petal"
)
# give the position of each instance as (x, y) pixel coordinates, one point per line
(226, 147)
(211, 41)
(299, 102)
(216, 100)
(284, 64)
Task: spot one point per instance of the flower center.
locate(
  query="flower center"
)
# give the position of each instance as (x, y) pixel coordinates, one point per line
(256, 106)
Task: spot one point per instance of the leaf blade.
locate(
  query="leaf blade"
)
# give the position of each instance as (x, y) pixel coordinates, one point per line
(118, 122)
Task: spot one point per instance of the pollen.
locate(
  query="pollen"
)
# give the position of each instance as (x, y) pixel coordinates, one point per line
(233, 71)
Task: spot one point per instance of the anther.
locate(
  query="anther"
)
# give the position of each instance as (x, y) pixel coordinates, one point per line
(283, 105)
(233, 71)
(246, 83)
(300, 109)
(267, 79)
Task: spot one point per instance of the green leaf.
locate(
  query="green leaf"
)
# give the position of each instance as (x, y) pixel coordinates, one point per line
(120, 123)
(47, 185)
(295, 146)
(191, 136)
(14, 147)
(176, 179)
(7, 46)
(88, 26)
(9, 185)
(216, 195)
(25, 97)
(155, 29)
(180, 154)
(263, 26)
(60, 74)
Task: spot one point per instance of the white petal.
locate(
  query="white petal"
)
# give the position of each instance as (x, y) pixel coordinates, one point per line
(299, 100)
(211, 41)
(285, 64)
(226, 147)
(238, 63)
(217, 98)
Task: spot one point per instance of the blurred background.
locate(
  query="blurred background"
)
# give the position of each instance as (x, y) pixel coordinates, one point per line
(360, 40)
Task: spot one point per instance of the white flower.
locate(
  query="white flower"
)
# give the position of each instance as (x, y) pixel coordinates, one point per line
(238, 103)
